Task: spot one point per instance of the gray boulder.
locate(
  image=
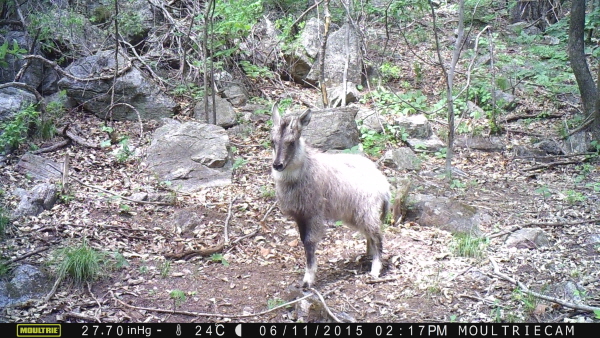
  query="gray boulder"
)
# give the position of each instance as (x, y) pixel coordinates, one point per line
(225, 113)
(416, 126)
(34, 73)
(263, 46)
(27, 282)
(333, 128)
(190, 155)
(40, 168)
(308, 38)
(505, 100)
(569, 291)
(236, 94)
(446, 214)
(401, 158)
(490, 144)
(420, 133)
(431, 144)
(368, 118)
(132, 87)
(527, 238)
(39, 198)
(336, 54)
(12, 100)
(303, 58)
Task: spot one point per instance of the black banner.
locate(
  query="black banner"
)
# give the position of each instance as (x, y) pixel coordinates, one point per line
(253, 330)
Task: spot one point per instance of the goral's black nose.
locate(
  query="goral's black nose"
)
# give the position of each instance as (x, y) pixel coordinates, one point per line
(278, 166)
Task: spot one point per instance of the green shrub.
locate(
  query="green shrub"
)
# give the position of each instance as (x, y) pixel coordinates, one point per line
(14, 132)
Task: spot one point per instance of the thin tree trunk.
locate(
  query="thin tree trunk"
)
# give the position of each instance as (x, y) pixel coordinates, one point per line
(324, 97)
(449, 75)
(585, 81)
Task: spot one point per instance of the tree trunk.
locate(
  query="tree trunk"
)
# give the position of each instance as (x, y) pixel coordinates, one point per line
(541, 12)
(585, 81)
(590, 93)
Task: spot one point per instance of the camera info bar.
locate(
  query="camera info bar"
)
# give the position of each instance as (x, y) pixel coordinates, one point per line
(254, 330)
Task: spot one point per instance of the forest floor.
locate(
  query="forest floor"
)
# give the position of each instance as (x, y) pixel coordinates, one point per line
(423, 280)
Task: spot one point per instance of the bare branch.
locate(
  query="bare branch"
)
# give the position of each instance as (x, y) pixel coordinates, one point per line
(525, 289)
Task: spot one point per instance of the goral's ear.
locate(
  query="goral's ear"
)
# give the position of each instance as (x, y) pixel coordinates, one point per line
(275, 117)
(305, 117)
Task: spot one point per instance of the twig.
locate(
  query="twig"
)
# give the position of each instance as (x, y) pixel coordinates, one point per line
(506, 232)
(479, 299)
(202, 314)
(549, 224)
(461, 273)
(551, 165)
(65, 175)
(139, 58)
(325, 305)
(555, 224)
(258, 227)
(16, 259)
(99, 310)
(555, 156)
(52, 148)
(188, 254)
(293, 26)
(117, 195)
(226, 226)
(544, 297)
(54, 288)
(138, 116)
(381, 280)
(268, 212)
(81, 316)
(59, 69)
(512, 118)
(72, 135)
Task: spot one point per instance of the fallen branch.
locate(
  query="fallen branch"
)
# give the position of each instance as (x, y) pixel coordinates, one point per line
(506, 232)
(262, 224)
(538, 295)
(52, 148)
(202, 314)
(381, 280)
(139, 58)
(547, 224)
(16, 259)
(188, 254)
(61, 71)
(53, 291)
(556, 156)
(545, 115)
(226, 226)
(72, 135)
(135, 110)
(325, 305)
(551, 165)
(76, 315)
(117, 195)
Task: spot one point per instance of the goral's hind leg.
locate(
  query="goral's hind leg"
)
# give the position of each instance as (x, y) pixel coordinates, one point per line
(375, 249)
